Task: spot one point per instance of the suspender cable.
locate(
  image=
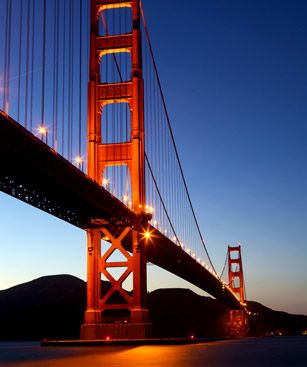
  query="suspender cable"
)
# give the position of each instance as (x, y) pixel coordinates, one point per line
(57, 78)
(8, 70)
(63, 79)
(55, 31)
(72, 79)
(43, 70)
(19, 59)
(172, 138)
(69, 81)
(115, 126)
(115, 181)
(27, 62)
(160, 196)
(54, 71)
(114, 56)
(5, 55)
(224, 267)
(119, 115)
(80, 94)
(32, 64)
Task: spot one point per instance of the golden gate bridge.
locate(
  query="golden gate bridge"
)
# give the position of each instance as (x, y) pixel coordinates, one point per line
(85, 136)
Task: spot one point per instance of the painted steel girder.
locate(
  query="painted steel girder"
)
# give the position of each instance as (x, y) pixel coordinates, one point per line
(114, 154)
(114, 44)
(113, 2)
(114, 93)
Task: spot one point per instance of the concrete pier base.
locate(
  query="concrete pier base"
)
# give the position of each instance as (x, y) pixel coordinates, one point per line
(115, 331)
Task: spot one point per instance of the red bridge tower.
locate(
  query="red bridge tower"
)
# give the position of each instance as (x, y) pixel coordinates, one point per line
(238, 320)
(116, 314)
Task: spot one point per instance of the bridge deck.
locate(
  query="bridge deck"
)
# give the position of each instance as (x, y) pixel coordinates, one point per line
(33, 172)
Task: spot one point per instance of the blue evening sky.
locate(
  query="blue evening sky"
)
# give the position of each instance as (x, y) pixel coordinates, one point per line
(235, 77)
(234, 74)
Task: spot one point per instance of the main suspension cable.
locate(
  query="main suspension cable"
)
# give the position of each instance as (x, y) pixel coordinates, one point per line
(172, 136)
(161, 199)
(224, 267)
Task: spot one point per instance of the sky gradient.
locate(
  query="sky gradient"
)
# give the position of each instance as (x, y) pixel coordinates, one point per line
(234, 74)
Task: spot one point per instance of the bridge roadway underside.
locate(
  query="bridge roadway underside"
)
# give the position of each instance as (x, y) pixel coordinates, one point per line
(34, 173)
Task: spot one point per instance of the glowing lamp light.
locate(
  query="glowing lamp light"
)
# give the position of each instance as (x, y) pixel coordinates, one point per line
(149, 209)
(125, 198)
(42, 130)
(155, 222)
(147, 235)
(78, 159)
(105, 181)
(108, 338)
(174, 238)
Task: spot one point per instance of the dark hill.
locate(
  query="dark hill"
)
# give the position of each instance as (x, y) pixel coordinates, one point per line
(264, 320)
(50, 306)
(181, 312)
(53, 307)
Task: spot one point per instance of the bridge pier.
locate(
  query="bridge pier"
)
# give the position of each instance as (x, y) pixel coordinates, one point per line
(92, 316)
(115, 331)
(112, 312)
(238, 323)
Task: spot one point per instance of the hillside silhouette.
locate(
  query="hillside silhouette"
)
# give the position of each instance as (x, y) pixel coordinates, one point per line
(53, 307)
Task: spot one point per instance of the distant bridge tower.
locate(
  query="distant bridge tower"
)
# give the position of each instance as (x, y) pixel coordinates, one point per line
(116, 314)
(238, 320)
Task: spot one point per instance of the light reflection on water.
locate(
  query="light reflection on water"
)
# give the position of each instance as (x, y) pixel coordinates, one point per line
(249, 352)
